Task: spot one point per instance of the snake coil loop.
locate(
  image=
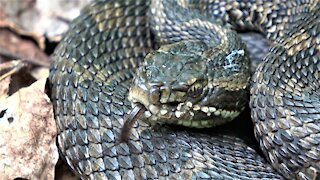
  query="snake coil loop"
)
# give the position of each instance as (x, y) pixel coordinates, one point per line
(94, 65)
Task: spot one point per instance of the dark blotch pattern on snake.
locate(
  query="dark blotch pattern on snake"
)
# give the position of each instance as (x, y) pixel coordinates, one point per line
(93, 69)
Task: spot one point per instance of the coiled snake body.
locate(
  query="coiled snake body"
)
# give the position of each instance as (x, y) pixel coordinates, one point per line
(95, 62)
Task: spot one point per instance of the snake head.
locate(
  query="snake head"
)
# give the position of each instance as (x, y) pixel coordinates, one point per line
(191, 84)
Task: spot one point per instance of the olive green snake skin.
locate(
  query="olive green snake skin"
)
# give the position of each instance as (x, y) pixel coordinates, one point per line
(95, 62)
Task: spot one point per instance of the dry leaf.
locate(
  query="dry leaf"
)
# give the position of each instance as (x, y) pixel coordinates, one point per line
(40, 72)
(19, 75)
(4, 87)
(37, 18)
(13, 45)
(27, 135)
(6, 70)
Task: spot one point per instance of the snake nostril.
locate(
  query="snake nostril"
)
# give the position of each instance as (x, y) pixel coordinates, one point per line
(154, 96)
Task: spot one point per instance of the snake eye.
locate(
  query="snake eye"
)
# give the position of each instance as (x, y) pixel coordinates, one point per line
(195, 90)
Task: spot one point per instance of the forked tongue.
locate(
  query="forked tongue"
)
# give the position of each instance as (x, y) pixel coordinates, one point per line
(132, 117)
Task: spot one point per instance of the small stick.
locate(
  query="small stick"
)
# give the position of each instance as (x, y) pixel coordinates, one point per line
(9, 68)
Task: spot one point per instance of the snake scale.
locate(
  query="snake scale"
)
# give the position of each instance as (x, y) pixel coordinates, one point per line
(94, 64)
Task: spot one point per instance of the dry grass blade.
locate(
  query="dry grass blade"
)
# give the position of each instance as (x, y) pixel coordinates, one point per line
(11, 67)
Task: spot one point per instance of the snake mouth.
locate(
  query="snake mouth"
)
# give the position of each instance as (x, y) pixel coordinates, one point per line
(174, 112)
(155, 111)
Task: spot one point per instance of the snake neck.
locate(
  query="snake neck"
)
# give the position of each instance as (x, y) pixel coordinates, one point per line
(174, 21)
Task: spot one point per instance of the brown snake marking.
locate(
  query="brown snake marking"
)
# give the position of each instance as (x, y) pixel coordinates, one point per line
(97, 58)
